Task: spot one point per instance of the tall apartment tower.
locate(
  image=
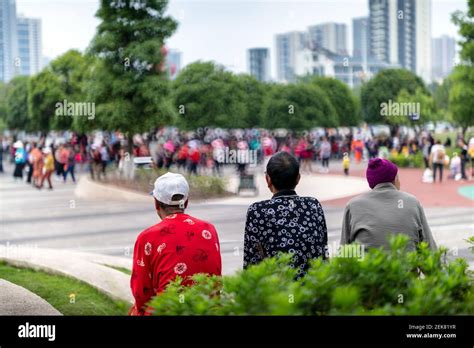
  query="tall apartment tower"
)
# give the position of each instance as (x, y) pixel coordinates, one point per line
(258, 63)
(331, 36)
(360, 37)
(8, 39)
(30, 54)
(287, 46)
(400, 33)
(444, 54)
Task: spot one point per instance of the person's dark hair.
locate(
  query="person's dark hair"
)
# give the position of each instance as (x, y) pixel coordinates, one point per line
(438, 142)
(283, 170)
(167, 207)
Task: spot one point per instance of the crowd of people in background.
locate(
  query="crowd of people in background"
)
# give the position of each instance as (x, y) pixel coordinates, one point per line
(203, 152)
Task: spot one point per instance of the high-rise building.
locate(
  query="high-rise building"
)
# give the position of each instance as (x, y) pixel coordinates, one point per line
(331, 36)
(287, 46)
(360, 37)
(444, 54)
(400, 33)
(30, 57)
(8, 39)
(173, 63)
(258, 63)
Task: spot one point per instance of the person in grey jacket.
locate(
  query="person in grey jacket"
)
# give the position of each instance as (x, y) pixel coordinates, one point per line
(371, 218)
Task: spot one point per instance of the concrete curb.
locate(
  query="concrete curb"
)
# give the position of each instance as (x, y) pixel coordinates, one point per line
(16, 300)
(89, 189)
(88, 268)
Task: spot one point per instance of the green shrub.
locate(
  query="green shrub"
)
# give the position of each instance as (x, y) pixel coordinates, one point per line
(412, 161)
(200, 186)
(381, 283)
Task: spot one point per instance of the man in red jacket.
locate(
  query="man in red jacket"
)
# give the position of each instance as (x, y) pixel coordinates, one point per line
(180, 245)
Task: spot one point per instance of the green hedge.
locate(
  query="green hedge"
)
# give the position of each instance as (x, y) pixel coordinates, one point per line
(200, 186)
(412, 161)
(380, 283)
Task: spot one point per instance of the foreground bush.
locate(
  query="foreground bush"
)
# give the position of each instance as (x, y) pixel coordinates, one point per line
(393, 282)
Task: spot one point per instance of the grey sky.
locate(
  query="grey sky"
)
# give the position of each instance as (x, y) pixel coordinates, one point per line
(219, 30)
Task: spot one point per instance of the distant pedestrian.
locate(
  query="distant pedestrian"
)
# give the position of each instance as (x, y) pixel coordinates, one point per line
(371, 218)
(325, 154)
(464, 158)
(438, 159)
(48, 168)
(346, 162)
(20, 160)
(69, 166)
(470, 150)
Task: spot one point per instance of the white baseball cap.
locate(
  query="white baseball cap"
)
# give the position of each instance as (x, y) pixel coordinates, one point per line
(168, 185)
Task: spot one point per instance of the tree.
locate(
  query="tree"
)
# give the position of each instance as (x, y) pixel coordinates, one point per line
(3, 106)
(465, 23)
(298, 106)
(385, 87)
(461, 95)
(255, 94)
(343, 100)
(71, 70)
(17, 104)
(207, 95)
(129, 84)
(44, 92)
(425, 103)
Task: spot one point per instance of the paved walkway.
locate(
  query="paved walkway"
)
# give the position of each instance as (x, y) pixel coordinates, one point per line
(16, 300)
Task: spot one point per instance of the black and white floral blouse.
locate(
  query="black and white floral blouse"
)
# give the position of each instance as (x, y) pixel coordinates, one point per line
(286, 223)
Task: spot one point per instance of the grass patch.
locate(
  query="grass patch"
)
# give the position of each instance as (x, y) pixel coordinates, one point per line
(120, 269)
(57, 290)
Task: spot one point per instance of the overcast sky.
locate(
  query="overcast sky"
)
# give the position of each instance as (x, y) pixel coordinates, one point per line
(219, 30)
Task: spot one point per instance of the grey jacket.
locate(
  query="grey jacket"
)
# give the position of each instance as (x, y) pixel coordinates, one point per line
(369, 219)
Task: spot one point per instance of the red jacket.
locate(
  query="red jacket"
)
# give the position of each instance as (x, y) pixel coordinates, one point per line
(179, 245)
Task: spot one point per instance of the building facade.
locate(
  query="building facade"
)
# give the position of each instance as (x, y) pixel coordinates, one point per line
(258, 63)
(331, 36)
(400, 33)
(444, 56)
(30, 55)
(361, 37)
(8, 39)
(287, 47)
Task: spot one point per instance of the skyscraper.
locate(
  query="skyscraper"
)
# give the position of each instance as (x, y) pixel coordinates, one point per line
(444, 53)
(8, 39)
(400, 33)
(331, 36)
(258, 63)
(360, 37)
(30, 54)
(287, 45)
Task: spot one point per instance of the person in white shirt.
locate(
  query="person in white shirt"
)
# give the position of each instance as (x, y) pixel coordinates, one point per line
(437, 158)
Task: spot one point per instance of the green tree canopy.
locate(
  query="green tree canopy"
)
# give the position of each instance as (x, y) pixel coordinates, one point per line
(385, 87)
(128, 84)
(207, 95)
(44, 92)
(341, 97)
(298, 107)
(17, 104)
(461, 95)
